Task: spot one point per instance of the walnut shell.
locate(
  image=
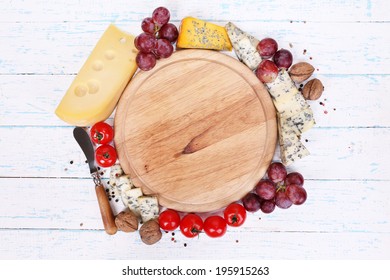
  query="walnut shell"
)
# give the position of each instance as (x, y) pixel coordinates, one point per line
(126, 221)
(313, 89)
(301, 71)
(150, 232)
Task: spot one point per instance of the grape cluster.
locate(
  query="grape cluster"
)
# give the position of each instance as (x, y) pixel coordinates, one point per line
(157, 39)
(280, 189)
(267, 71)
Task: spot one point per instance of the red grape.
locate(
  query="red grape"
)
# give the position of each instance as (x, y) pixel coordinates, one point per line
(296, 194)
(169, 31)
(251, 202)
(161, 16)
(282, 200)
(145, 61)
(163, 48)
(277, 172)
(148, 25)
(267, 47)
(267, 71)
(265, 189)
(267, 206)
(145, 42)
(294, 178)
(283, 58)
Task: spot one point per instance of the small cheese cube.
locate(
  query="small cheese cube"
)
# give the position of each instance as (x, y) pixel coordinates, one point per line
(130, 199)
(148, 208)
(124, 183)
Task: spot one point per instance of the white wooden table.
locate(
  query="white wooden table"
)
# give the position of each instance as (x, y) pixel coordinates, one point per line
(48, 208)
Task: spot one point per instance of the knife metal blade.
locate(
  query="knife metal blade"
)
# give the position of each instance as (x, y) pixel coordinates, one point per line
(85, 143)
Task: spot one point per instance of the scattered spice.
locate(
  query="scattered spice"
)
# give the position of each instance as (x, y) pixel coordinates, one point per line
(237, 241)
(325, 112)
(304, 51)
(334, 109)
(322, 103)
(71, 162)
(81, 224)
(185, 244)
(310, 57)
(291, 45)
(306, 140)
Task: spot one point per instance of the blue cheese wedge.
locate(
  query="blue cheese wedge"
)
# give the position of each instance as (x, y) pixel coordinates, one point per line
(244, 46)
(291, 148)
(300, 122)
(130, 199)
(148, 208)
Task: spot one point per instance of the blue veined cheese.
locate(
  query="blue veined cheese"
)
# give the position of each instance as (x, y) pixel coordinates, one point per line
(148, 208)
(291, 148)
(282, 86)
(244, 46)
(300, 122)
(115, 172)
(124, 183)
(130, 199)
(285, 95)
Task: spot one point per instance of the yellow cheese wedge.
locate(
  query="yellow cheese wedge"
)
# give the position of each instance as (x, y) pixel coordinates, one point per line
(199, 34)
(95, 91)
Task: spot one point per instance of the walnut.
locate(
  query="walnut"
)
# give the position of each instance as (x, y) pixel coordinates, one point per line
(150, 232)
(313, 89)
(126, 221)
(301, 71)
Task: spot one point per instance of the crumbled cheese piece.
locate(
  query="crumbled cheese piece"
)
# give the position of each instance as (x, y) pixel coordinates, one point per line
(148, 208)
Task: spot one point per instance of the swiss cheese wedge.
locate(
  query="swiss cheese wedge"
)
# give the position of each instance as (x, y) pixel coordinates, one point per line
(96, 89)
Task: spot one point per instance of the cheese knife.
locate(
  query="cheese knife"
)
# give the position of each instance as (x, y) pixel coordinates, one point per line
(85, 143)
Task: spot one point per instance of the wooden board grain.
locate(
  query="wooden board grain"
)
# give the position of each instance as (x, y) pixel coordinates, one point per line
(198, 131)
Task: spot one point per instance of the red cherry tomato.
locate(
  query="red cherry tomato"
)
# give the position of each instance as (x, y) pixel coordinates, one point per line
(215, 226)
(105, 155)
(102, 133)
(169, 220)
(191, 225)
(235, 215)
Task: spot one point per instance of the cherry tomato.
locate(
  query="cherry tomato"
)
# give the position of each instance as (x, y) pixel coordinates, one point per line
(169, 220)
(105, 155)
(235, 215)
(215, 226)
(102, 133)
(191, 225)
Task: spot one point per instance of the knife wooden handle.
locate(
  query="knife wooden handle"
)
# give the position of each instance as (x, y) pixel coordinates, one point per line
(105, 210)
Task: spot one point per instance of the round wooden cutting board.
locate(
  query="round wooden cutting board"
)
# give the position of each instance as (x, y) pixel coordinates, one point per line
(198, 130)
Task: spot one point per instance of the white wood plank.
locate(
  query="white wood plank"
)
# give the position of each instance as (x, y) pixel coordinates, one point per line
(336, 153)
(65, 244)
(348, 100)
(62, 47)
(332, 206)
(263, 10)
